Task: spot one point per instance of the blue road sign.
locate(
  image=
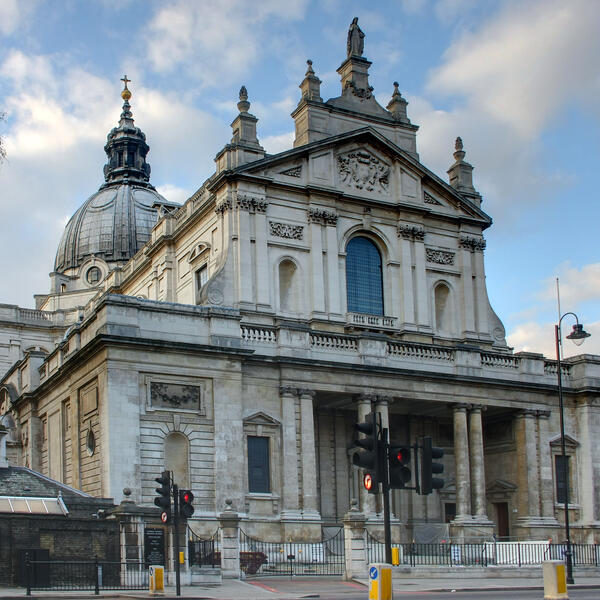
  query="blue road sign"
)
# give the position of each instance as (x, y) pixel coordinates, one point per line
(373, 572)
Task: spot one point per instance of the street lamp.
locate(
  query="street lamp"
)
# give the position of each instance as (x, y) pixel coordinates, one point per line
(578, 336)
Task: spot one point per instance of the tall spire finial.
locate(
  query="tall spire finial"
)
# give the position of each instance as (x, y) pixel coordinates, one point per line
(126, 93)
(356, 39)
(243, 105)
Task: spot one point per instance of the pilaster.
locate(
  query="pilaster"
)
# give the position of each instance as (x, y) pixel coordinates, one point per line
(308, 457)
(290, 492)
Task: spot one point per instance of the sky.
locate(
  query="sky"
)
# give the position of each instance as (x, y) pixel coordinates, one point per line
(519, 81)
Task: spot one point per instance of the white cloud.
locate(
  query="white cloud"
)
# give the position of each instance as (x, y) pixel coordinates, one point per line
(577, 286)
(413, 6)
(526, 64)
(211, 37)
(173, 193)
(13, 13)
(278, 143)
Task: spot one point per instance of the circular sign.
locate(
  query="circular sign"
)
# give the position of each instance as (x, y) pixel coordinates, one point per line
(368, 481)
(164, 517)
(373, 572)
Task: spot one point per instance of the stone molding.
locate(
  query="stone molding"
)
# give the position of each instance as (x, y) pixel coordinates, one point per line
(460, 406)
(414, 232)
(442, 257)
(283, 230)
(322, 217)
(365, 398)
(526, 412)
(472, 243)
(363, 171)
(306, 392)
(286, 390)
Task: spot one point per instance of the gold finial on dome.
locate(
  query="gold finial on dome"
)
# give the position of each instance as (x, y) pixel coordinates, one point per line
(125, 94)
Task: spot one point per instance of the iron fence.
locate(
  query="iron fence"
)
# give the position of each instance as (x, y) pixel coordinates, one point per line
(515, 554)
(325, 557)
(94, 575)
(204, 552)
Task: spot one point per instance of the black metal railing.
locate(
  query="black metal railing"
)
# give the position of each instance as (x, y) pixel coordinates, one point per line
(203, 552)
(325, 557)
(510, 554)
(84, 575)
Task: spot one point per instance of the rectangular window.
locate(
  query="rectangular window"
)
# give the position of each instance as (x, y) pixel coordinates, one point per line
(201, 276)
(258, 465)
(559, 464)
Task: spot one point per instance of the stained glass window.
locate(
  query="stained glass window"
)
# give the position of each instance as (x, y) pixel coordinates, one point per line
(364, 285)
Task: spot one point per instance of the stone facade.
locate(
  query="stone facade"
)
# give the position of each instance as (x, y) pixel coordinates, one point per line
(234, 328)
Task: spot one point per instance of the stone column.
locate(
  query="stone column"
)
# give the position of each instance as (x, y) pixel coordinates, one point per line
(477, 463)
(423, 316)
(546, 480)
(290, 459)
(368, 503)
(229, 533)
(244, 257)
(309, 462)
(333, 270)
(408, 303)
(316, 268)
(468, 299)
(354, 541)
(527, 465)
(263, 279)
(461, 458)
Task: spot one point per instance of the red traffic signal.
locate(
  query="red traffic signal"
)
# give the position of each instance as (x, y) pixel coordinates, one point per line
(186, 510)
(399, 466)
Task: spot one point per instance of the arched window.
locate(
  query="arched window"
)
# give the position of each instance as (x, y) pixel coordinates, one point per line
(177, 458)
(443, 316)
(364, 283)
(288, 294)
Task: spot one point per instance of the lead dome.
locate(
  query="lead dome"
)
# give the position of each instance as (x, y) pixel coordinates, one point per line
(116, 221)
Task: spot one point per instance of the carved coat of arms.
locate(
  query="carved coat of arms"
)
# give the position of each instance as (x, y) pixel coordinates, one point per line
(363, 171)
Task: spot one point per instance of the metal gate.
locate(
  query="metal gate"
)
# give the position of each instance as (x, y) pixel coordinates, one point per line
(292, 558)
(204, 552)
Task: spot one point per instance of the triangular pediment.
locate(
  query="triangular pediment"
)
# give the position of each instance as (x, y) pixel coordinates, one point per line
(364, 164)
(261, 418)
(569, 442)
(500, 486)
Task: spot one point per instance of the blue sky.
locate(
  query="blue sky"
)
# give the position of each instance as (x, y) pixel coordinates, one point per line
(519, 81)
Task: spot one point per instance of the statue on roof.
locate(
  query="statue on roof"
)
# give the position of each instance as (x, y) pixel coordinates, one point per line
(356, 39)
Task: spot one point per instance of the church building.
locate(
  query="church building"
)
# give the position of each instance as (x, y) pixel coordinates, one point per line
(236, 339)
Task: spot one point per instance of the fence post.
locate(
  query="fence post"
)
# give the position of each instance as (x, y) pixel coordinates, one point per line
(355, 555)
(96, 574)
(28, 573)
(230, 542)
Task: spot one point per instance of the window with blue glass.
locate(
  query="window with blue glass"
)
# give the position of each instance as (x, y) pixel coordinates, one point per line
(364, 283)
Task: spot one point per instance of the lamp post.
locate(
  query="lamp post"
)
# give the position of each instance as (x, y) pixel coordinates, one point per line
(578, 336)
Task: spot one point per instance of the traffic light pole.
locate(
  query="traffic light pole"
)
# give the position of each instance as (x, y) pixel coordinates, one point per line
(385, 484)
(176, 539)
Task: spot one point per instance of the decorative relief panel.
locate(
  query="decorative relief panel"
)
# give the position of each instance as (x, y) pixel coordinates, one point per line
(363, 171)
(175, 396)
(293, 172)
(414, 232)
(429, 199)
(472, 243)
(293, 232)
(441, 257)
(323, 217)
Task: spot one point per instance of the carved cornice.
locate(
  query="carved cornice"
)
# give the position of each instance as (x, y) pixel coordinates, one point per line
(323, 217)
(472, 243)
(441, 257)
(307, 392)
(461, 406)
(527, 413)
(286, 390)
(414, 232)
(243, 202)
(365, 398)
(283, 230)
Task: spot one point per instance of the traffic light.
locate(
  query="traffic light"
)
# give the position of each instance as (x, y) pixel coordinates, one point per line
(186, 509)
(399, 464)
(163, 500)
(368, 453)
(429, 468)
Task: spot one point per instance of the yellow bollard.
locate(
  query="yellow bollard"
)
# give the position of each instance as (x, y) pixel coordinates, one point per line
(156, 582)
(395, 556)
(380, 581)
(555, 580)
(182, 558)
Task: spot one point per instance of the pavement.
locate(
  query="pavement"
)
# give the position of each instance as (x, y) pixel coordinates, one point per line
(274, 588)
